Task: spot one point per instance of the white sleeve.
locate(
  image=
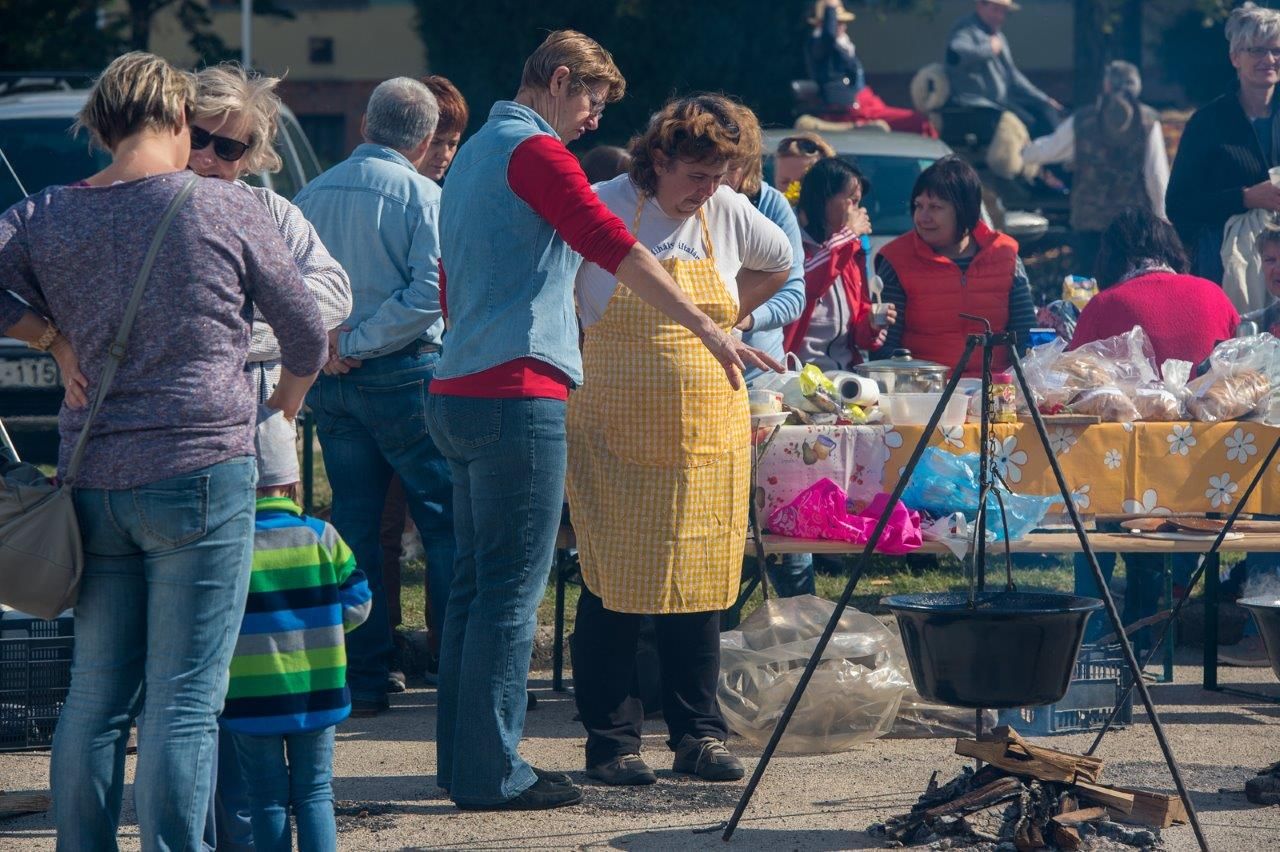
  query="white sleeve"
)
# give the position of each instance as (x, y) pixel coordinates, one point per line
(1155, 169)
(765, 247)
(1058, 147)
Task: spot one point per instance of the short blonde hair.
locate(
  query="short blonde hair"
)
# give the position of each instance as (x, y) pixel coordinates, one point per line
(697, 129)
(1251, 25)
(137, 91)
(752, 160)
(227, 88)
(589, 64)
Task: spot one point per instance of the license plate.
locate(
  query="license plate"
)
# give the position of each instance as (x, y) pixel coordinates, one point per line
(29, 373)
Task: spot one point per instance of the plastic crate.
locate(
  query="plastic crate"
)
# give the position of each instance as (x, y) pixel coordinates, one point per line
(35, 674)
(1099, 679)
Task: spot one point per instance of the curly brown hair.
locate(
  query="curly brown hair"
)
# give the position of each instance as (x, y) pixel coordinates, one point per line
(697, 129)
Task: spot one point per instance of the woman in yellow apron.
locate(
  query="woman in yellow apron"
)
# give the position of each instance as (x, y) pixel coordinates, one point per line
(659, 445)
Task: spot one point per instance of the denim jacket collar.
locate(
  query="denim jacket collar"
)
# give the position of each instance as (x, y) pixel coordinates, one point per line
(512, 109)
(372, 151)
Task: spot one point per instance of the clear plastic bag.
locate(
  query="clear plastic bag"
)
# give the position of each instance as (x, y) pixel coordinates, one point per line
(1109, 403)
(852, 698)
(1243, 375)
(944, 483)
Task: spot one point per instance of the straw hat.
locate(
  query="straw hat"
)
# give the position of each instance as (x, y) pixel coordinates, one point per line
(1008, 4)
(843, 15)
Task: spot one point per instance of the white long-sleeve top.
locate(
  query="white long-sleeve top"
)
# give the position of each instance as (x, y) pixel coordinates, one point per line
(1060, 147)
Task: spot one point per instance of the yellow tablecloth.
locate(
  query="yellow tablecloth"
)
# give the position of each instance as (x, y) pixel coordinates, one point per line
(1112, 468)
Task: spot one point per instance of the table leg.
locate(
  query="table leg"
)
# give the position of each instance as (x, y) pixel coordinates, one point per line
(1212, 583)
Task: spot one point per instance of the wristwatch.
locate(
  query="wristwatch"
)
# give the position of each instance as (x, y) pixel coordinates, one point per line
(45, 340)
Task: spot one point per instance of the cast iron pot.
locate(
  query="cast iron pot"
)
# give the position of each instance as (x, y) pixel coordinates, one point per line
(1266, 612)
(1013, 649)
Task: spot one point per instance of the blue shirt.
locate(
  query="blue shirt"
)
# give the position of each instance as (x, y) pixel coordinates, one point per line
(379, 218)
(785, 306)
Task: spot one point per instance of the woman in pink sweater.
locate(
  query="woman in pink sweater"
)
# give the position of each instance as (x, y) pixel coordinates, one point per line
(1142, 271)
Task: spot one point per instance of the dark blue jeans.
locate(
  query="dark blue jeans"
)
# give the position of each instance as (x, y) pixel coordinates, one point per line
(508, 460)
(372, 421)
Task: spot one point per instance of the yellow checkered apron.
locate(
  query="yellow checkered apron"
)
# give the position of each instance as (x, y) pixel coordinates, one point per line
(659, 453)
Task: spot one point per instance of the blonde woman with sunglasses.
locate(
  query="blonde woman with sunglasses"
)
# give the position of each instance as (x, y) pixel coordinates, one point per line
(233, 135)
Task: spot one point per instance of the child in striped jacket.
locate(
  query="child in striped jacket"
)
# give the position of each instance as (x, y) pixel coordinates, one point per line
(288, 686)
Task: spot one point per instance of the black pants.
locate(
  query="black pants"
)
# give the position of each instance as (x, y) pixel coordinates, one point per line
(605, 684)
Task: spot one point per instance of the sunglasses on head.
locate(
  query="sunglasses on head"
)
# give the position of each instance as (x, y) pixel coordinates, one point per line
(224, 147)
(798, 144)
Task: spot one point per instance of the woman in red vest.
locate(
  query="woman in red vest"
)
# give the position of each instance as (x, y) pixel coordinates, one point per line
(836, 321)
(950, 264)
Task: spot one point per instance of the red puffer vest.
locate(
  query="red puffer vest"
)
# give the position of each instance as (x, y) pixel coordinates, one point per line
(938, 292)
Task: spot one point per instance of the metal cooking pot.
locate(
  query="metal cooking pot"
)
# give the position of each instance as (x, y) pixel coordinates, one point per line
(901, 373)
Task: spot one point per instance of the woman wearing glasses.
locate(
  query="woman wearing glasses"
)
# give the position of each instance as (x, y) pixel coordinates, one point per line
(1229, 144)
(233, 134)
(795, 156)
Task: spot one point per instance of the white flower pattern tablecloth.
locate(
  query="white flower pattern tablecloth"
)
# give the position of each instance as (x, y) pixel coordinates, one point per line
(1143, 468)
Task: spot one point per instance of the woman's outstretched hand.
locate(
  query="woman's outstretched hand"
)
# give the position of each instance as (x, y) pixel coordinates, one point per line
(734, 355)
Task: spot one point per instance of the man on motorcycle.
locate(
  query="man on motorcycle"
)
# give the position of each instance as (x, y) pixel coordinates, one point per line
(982, 73)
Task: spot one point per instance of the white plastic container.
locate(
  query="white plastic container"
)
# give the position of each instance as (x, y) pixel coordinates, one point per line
(915, 409)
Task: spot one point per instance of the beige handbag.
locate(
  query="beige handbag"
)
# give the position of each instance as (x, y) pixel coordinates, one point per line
(41, 556)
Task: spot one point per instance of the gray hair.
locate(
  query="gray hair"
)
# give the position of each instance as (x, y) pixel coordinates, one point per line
(401, 113)
(1251, 25)
(1122, 78)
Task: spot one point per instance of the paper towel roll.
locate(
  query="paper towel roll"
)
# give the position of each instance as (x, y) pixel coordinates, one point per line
(859, 390)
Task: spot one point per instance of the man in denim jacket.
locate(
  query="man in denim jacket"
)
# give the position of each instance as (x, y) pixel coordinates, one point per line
(379, 218)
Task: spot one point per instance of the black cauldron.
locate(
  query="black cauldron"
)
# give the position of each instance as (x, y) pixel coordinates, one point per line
(1011, 649)
(1266, 612)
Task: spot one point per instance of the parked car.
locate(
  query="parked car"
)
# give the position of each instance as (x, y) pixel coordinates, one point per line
(892, 162)
(36, 116)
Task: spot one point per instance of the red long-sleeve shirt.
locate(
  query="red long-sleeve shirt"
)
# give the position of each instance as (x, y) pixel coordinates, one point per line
(543, 174)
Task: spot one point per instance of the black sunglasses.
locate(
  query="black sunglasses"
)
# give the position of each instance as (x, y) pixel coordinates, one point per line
(793, 144)
(224, 147)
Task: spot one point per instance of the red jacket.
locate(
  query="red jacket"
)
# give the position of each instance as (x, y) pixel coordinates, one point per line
(839, 258)
(938, 292)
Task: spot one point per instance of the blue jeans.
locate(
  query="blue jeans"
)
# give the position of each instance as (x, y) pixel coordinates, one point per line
(372, 421)
(292, 772)
(165, 579)
(508, 459)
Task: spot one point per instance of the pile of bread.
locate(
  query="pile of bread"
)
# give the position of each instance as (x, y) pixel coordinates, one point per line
(1116, 380)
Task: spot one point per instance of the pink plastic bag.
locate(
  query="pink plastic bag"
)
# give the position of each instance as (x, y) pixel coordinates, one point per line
(820, 512)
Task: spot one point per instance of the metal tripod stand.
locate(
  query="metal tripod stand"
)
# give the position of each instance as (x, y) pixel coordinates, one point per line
(989, 342)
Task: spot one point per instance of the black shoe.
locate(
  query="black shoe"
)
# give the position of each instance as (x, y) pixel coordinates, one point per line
(552, 777)
(542, 796)
(623, 770)
(707, 758)
(395, 682)
(531, 701)
(364, 708)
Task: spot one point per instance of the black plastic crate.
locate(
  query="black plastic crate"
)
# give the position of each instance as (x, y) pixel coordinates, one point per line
(1097, 683)
(35, 674)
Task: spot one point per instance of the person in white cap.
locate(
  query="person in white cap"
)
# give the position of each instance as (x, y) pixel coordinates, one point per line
(982, 73)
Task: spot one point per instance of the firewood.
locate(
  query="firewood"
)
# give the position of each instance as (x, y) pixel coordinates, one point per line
(1154, 810)
(1022, 758)
(17, 804)
(1070, 818)
(1112, 797)
(1066, 837)
(988, 794)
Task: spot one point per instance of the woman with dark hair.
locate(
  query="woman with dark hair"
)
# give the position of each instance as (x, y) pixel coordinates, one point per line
(605, 162)
(1142, 271)
(836, 321)
(952, 263)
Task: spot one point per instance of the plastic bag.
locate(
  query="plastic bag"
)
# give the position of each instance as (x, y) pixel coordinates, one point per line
(853, 696)
(944, 483)
(821, 511)
(1109, 403)
(1243, 375)
(769, 380)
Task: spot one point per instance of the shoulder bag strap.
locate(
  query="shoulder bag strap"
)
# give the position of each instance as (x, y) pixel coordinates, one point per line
(116, 352)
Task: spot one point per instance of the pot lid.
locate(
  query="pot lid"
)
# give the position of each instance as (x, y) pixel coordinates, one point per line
(900, 362)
